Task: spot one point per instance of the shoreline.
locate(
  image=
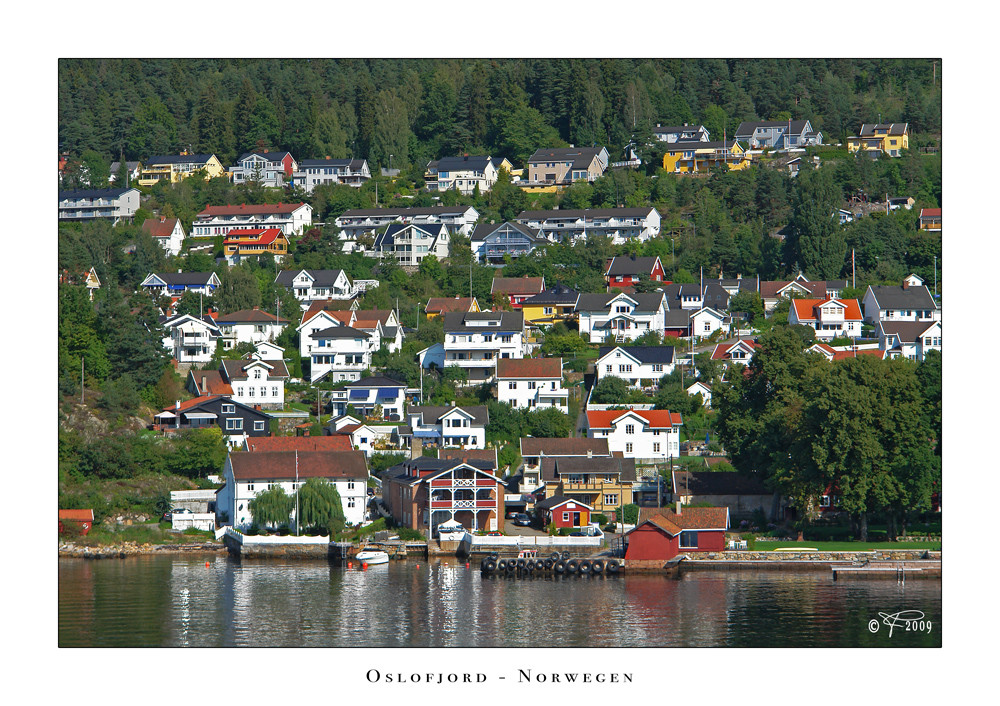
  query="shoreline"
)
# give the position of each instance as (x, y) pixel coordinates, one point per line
(123, 550)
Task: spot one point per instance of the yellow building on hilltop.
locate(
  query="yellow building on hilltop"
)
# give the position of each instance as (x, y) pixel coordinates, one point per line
(889, 138)
(696, 157)
(175, 168)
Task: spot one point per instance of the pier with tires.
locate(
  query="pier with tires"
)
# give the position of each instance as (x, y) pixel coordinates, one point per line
(556, 563)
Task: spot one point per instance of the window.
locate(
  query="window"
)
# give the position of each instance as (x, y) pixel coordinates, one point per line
(258, 425)
(250, 391)
(628, 448)
(630, 428)
(531, 384)
(350, 485)
(708, 326)
(256, 374)
(230, 408)
(235, 424)
(689, 540)
(350, 502)
(611, 499)
(824, 501)
(274, 391)
(608, 368)
(249, 490)
(511, 385)
(263, 391)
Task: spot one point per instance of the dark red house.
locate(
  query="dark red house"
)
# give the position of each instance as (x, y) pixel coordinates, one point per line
(626, 271)
(564, 512)
(661, 537)
(84, 519)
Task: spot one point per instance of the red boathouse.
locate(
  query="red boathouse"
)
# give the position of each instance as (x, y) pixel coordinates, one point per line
(661, 537)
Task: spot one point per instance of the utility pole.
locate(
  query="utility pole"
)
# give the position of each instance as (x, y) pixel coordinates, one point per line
(81, 357)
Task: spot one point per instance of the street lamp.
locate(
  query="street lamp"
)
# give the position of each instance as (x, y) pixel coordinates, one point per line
(390, 165)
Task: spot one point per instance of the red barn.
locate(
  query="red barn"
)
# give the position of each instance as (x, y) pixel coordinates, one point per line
(564, 512)
(664, 536)
(84, 519)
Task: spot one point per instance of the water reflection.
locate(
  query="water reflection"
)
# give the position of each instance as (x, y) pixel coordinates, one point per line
(181, 602)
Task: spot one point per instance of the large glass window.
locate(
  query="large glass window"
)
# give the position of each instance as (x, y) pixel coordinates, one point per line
(689, 540)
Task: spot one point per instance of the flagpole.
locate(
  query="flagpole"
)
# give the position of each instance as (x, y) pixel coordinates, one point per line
(297, 523)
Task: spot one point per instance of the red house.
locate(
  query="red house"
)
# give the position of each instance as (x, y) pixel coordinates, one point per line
(661, 537)
(517, 289)
(84, 519)
(564, 512)
(627, 271)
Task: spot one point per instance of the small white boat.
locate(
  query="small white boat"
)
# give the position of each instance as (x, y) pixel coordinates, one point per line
(372, 556)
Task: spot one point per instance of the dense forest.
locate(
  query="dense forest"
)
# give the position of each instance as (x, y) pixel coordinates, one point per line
(418, 110)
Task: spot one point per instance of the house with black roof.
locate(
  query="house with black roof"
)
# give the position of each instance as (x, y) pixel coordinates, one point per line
(411, 243)
(310, 285)
(564, 165)
(742, 495)
(619, 316)
(628, 270)
(681, 133)
(357, 222)
(175, 284)
(492, 242)
(635, 364)
(778, 134)
(190, 338)
(315, 172)
(556, 303)
(265, 168)
(463, 173)
(236, 420)
(174, 168)
(911, 301)
(447, 426)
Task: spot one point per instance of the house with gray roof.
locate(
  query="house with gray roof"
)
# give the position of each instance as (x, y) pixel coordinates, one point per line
(474, 341)
(311, 285)
(640, 366)
(255, 381)
(409, 244)
(448, 426)
(621, 316)
(492, 242)
(778, 134)
(175, 284)
(908, 339)
(911, 301)
(622, 225)
(464, 174)
(742, 495)
(564, 165)
(366, 221)
(266, 168)
(316, 172)
(115, 204)
(681, 133)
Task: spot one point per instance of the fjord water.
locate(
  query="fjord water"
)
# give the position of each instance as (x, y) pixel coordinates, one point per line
(178, 601)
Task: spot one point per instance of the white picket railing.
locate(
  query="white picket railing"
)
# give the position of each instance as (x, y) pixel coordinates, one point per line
(270, 539)
(534, 541)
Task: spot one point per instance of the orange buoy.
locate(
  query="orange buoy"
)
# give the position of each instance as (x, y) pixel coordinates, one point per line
(206, 564)
(364, 565)
(350, 565)
(466, 565)
(418, 566)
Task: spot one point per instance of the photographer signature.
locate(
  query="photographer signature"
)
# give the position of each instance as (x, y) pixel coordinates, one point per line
(909, 620)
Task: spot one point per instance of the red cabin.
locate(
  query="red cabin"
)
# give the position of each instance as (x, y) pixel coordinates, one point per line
(564, 512)
(663, 536)
(83, 519)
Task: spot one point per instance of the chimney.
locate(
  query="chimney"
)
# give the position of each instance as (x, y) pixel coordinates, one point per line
(204, 385)
(453, 403)
(590, 453)
(416, 448)
(678, 510)
(906, 284)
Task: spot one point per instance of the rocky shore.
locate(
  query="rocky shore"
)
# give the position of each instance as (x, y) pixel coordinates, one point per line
(122, 550)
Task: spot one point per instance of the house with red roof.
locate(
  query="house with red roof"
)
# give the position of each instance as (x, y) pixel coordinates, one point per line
(647, 434)
(531, 383)
(832, 353)
(167, 232)
(665, 534)
(82, 520)
(248, 473)
(436, 306)
(930, 219)
(830, 318)
(241, 243)
(517, 289)
(291, 218)
(739, 352)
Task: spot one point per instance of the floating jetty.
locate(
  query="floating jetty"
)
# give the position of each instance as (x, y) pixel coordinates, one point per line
(528, 562)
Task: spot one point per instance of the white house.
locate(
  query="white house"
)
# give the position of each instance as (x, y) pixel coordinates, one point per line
(622, 225)
(267, 168)
(706, 321)
(410, 244)
(475, 341)
(269, 351)
(89, 204)
(449, 426)
(739, 352)
(339, 350)
(365, 394)
(190, 339)
(634, 364)
(463, 174)
(830, 318)
(255, 381)
(492, 242)
(621, 317)
(168, 233)
(292, 218)
(700, 388)
(910, 302)
(648, 434)
(317, 172)
(365, 221)
(366, 437)
(908, 339)
(681, 133)
(249, 326)
(248, 473)
(532, 383)
(311, 285)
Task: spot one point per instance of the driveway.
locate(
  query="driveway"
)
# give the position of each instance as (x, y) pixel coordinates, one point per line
(509, 528)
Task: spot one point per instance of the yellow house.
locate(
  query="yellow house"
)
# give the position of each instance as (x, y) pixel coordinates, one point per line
(244, 242)
(174, 168)
(603, 483)
(889, 138)
(693, 157)
(436, 306)
(557, 303)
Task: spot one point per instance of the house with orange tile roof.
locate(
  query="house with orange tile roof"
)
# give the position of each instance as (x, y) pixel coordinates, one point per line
(532, 383)
(651, 435)
(664, 535)
(241, 243)
(739, 352)
(440, 305)
(830, 318)
(167, 232)
(930, 219)
(832, 353)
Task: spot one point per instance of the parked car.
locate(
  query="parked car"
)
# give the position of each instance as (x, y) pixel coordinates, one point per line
(512, 514)
(168, 516)
(521, 519)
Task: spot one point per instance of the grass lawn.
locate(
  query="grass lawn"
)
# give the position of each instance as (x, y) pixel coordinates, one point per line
(147, 533)
(846, 546)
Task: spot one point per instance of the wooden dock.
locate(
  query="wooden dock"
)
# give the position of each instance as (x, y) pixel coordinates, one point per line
(887, 571)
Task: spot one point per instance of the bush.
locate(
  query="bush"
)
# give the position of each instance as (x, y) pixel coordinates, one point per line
(565, 531)
(410, 535)
(599, 519)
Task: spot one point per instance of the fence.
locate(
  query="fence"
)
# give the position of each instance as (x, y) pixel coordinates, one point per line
(542, 541)
(198, 520)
